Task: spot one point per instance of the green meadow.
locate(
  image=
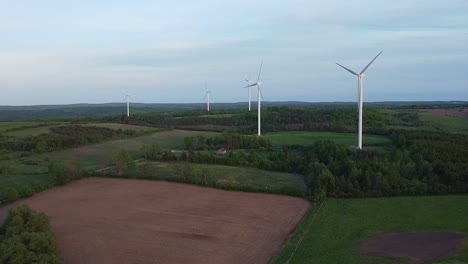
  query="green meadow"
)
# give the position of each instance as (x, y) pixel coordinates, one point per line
(331, 234)
(309, 138)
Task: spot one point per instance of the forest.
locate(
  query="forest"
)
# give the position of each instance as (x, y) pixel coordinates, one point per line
(423, 163)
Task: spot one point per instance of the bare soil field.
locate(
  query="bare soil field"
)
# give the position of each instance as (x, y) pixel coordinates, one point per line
(419, 247)
(448, 112)
(134, 221)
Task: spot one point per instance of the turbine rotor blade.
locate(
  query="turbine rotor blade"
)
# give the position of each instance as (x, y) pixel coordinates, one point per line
(261, 93)
(352, 72)
(371, 62)
(260, 71)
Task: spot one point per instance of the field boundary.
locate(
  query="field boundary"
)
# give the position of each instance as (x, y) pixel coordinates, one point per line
(301, 238)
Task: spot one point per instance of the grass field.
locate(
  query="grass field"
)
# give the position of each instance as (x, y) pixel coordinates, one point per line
(100, 155)
(449, 124)
(241, 178)
(33, 131)
(20, 182)
(14, 125)
(309, 138)
(341, 223)
(117, 126)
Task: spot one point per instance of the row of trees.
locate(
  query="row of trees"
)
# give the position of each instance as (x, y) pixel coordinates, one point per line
(337, 119)
(63, 137)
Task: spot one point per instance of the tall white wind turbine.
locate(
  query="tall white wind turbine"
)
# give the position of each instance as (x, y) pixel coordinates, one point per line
(250, 90)
(207, 97)
(127, 99)
(258, 83)
(361, 77)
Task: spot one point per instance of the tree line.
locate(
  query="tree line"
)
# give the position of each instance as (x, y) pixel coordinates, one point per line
(227, 141)
(63, 137)
(283, 118)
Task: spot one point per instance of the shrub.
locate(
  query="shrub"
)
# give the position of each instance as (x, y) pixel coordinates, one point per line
(12, 194)
(64, 173)
(123, 162)
(27, 238)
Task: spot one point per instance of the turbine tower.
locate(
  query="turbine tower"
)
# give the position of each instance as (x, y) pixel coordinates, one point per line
(361, 77)
(250, 90)
(258, 83)
(127, 98)
(207, 97)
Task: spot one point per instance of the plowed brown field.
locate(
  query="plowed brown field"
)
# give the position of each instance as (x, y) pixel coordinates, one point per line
(134, 221)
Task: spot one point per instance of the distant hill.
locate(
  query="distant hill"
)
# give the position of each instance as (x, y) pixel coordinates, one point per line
(81, 111)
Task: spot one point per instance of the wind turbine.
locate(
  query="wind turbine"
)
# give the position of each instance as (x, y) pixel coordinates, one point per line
(207, 97)
(361, 77)
(258, 83)
(127, 98)
(250, 90)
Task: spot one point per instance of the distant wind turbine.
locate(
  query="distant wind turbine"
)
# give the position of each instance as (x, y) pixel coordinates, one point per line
(127, 98)
(207, 97)
(258, 83)
(250, 90)
(361, 77)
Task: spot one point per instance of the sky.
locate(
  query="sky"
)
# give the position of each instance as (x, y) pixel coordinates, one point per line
(62, 52)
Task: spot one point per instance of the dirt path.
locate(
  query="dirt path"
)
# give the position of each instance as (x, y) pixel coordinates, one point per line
(135, 221)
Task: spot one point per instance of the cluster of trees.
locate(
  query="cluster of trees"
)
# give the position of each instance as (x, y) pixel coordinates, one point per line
(425, 163)
(63, 137)
(26, 237)
(228, 141)
(65, 173)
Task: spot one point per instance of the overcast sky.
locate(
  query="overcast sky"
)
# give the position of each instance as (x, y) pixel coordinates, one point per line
(60, 52)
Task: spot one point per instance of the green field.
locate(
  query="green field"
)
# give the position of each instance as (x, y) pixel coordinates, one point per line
(238, 177)
(20, 182)
(309, 138)
(219, 115)
(341, 223)
(117, 126)
(14, 125)
(449, 124)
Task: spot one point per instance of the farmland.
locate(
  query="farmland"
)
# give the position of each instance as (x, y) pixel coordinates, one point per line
(170, 223)
(413, 152)
(99, 155)
(340, 224)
